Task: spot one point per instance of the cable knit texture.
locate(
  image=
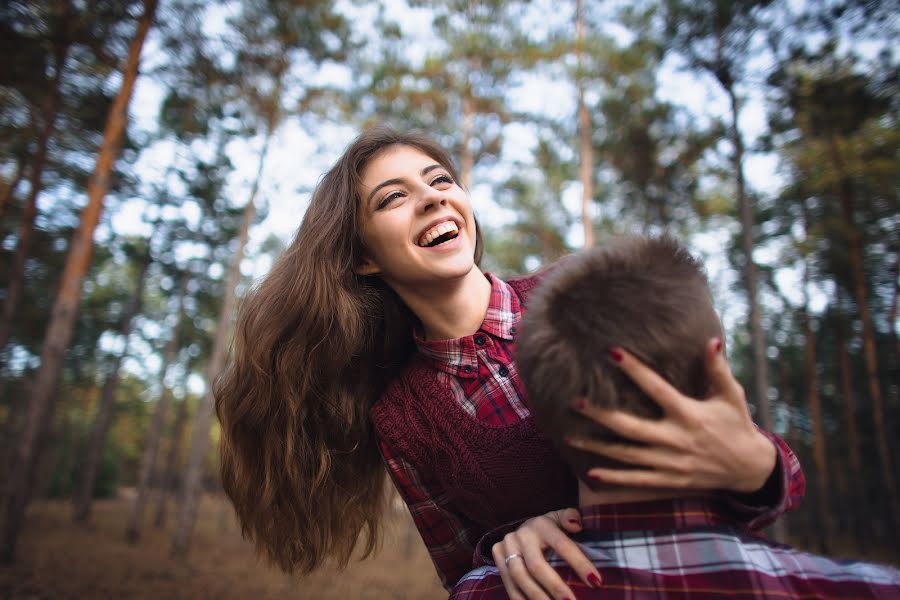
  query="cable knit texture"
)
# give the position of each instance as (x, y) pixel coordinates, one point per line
(492, 475)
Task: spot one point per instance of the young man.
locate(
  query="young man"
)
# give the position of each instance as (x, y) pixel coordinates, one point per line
(597, 328)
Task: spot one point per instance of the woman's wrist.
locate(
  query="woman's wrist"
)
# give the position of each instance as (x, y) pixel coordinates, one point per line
(763, 457)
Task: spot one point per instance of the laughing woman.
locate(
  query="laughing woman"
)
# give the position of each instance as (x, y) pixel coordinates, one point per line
(377, 341)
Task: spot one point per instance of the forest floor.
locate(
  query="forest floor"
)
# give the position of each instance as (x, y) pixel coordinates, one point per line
(59, 560)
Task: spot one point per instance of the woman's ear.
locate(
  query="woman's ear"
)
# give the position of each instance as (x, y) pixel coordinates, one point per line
(367, 267)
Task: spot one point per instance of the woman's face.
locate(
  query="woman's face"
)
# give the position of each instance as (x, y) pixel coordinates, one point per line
(416, 222)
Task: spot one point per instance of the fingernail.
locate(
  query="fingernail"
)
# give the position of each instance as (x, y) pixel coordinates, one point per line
(575, 522)
(569, 440)
(718, 345)
(594, 476)
(593, 580)
(579, 404)
(616, 354)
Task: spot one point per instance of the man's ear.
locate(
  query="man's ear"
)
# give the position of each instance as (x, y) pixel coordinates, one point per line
(367, 267)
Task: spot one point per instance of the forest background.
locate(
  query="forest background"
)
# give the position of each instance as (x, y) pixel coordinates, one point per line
(156, 156)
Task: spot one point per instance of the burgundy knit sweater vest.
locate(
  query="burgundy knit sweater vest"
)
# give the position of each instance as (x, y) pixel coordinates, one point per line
(492, 475)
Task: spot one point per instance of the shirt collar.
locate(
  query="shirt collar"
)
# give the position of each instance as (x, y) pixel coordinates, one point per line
(459, 356)
(677, 513)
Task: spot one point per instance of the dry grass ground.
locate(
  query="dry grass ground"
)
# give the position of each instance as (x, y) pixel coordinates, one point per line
(58, 560)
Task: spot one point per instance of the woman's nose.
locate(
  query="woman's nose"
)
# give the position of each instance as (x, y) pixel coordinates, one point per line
(432, 198)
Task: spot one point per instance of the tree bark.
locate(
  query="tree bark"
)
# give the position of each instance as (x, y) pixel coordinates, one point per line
(190, 489)
(814, 402)
(151, 445)
(16, 278)
(858, 501)
(585, 134)
(84, 492)
(745, 207)
(895, 306)
(791, 436)
(8, 188)
(858, 277)
(62, 320)
(169, 473)
(467, 161)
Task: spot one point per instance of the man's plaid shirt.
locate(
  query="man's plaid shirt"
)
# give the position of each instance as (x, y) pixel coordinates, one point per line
(480, 371)
(689, 548)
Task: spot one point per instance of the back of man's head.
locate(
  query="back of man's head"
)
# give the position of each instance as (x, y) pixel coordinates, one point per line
(647, 295)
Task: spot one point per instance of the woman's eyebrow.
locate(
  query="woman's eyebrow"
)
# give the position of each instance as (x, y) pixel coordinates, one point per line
(396, 180)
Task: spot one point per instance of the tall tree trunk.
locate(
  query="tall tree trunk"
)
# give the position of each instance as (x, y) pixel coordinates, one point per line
(151, 445)
(895, 305)
(84, 492)
(786, 393)
(467, 160)
(858, 501)
(16, 279)
(190, 488)
(8, 188)
(858, 277)
(62, 320)
(585, 134)
(791, 436)
(170, 470)
(814, 402)
(745, 208)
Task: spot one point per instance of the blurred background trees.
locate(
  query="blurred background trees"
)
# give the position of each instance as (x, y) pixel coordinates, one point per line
(763, 133)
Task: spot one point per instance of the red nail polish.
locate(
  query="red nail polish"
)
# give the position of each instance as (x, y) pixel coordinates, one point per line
(616, 354)
(594, 476)
(574, 522)
(579, 404)
(594, 580)
(718, 345)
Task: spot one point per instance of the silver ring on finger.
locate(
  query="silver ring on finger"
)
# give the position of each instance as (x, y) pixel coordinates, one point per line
(510, 557)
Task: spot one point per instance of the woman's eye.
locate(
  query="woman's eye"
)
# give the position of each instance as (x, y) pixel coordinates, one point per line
(442, 179)
(389, 198)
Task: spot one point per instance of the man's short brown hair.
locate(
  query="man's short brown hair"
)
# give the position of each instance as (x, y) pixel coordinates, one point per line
(647, 295)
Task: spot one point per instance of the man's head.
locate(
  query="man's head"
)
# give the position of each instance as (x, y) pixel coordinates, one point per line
(647, 295)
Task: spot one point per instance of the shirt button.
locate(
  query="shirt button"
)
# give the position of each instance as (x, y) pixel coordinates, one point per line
(467, 368)
(479, 339)
(503, 371)
(512, 331)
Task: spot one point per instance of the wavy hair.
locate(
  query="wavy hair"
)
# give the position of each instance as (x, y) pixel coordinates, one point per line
(314, 347)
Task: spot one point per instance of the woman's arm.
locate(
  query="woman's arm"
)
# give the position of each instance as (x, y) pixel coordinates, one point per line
(519, 556)
(709, 444)
(449, 537)
(783, 491)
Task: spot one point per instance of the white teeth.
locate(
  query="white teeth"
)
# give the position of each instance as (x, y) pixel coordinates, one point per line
(437, 231)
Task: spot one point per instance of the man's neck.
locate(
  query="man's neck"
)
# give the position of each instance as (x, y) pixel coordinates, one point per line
(589, 497)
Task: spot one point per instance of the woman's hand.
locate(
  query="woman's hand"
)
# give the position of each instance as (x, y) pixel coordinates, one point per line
(523, 567)
(709, 444)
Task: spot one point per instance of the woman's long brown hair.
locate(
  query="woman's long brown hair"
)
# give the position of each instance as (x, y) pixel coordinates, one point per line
(314, 347)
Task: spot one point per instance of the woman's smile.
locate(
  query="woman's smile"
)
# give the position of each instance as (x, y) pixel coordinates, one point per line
(407, 198)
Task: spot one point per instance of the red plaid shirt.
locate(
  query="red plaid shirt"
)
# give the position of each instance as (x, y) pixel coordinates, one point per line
(689, 548)
(480, 371)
